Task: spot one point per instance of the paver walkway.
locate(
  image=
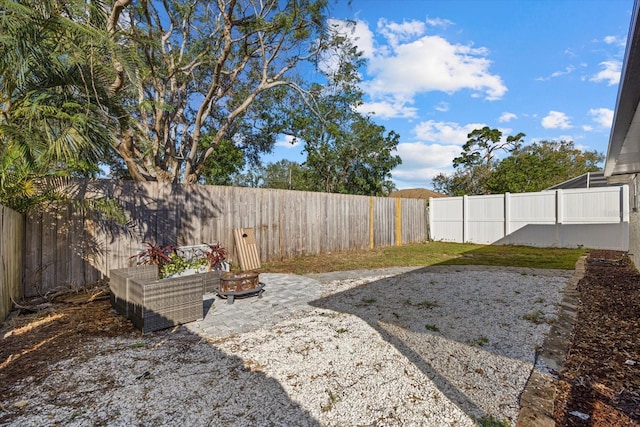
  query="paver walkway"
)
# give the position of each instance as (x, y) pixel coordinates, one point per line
(283, 295)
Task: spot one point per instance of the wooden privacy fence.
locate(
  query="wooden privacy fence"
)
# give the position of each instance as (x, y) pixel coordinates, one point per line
(596, 218)
(70, 247)
(11, 261)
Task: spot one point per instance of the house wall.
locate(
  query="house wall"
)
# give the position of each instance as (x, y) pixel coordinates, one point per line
(634, 237)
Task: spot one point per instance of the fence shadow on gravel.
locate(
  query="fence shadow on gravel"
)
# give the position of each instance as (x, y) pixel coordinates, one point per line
(463, 339)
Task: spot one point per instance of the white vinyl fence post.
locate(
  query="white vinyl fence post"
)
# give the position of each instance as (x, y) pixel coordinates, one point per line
(465, 219)
(559, 207)
(507, 214)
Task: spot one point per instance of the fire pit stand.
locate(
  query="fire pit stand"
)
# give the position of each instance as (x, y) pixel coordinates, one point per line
(237, 284)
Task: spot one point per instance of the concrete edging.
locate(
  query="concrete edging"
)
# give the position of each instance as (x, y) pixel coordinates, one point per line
(538, 396)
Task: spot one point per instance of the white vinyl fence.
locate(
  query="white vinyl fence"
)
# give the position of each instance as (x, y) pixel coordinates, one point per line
(596, 218)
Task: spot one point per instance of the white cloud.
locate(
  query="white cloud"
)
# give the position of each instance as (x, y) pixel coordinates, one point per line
(610, 39)
(443, 107)
(421, 162)
(404, 62)
(396, 33)
(587, 128)
(420, 155)
(602, 116)
(568, 70)
(622, 42)
(388, 110)
(556, 120)
(359, 32)
(431, 63)
(447, 133)
(439, 22)
(610, 73)
(507, 117)
(287, 141)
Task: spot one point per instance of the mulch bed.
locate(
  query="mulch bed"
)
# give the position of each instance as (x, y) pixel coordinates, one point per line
(599, 384)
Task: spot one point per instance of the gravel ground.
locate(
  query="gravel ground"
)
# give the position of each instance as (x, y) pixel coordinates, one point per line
(431, 347)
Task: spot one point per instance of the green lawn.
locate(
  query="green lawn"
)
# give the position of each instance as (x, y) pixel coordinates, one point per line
(431, 253)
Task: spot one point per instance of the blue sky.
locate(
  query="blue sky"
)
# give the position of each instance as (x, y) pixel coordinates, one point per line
(438, 69)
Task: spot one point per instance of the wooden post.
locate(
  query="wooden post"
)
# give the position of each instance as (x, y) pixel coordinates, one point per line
(398, 222)
(371, 241)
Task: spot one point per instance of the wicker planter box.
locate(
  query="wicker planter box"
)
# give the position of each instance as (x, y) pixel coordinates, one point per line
(211, 281)
(119, 285)
(165, 303)
(153, 304)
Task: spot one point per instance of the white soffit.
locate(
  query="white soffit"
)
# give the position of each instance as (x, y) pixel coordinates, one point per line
(623, 154)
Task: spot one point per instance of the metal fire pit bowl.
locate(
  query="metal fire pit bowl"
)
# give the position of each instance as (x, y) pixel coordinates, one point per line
(239, 284)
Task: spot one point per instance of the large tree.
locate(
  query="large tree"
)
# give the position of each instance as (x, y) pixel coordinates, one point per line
(208, 69)
(474, 166)
(287, 175)
(542, 165)
(346, 151)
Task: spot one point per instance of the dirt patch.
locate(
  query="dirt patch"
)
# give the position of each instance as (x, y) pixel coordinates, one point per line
(31, 342)
(599, 384)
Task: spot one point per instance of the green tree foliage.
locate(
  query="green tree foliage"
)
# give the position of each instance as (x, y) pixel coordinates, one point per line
(346, 151)
(182, 91)
(482, 146)
(542, 165)
(476, 162)
(225, 165)
(470, 181)
(58, 114)
(286, 175)
(527, 168)
(354, 159)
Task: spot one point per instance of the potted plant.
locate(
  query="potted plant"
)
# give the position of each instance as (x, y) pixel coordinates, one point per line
(216, 256)
(174, 261)
(159, 255)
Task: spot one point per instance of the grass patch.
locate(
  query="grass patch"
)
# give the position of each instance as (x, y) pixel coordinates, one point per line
(428, 304)
(430, 327)
(481, 341)
(493, 422)
(342, 330)
(430, 253)
(536, 317)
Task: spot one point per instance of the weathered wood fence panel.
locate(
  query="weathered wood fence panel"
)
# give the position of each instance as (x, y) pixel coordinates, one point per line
(11, 258)
(68, 247)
